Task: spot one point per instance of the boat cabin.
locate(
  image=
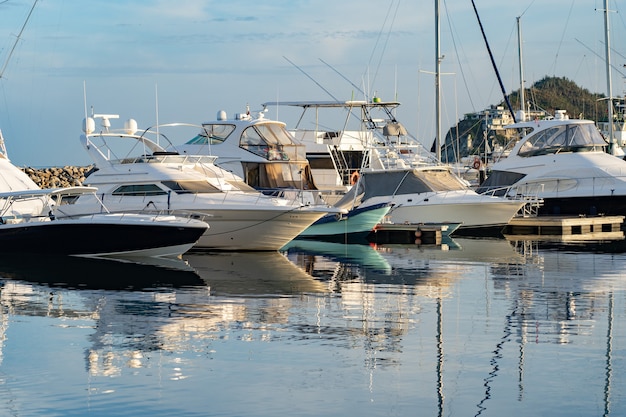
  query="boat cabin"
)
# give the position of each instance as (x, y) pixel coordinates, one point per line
(257, 149)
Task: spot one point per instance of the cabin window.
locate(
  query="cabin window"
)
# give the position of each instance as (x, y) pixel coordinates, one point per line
(275, 134)
(183, 187)
(320, 162)
(254, 142)
(564, 138)
(139, 190)
(212, 134)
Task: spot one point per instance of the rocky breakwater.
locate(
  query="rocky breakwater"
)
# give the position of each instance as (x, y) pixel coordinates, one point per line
(57, 177)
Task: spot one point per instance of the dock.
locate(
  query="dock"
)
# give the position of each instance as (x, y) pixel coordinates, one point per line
(565, 228)
(416, 233)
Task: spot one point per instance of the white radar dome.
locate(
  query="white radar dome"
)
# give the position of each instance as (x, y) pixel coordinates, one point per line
(130, 126)
(89, 125)
(221, 115)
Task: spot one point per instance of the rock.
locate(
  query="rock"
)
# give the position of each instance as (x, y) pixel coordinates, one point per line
(55, 177)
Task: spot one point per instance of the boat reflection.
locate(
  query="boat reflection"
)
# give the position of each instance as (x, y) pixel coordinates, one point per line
(399, 264)
(363, 255)
(99, 273)
(251, 273)
(385, 305)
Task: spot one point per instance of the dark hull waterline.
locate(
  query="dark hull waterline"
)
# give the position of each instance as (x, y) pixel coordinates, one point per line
(78, 238)
(583, 206)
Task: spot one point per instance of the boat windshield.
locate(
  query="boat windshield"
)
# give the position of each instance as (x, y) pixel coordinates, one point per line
(563, 138)
(183, 187)
(212, 134)
(385, 183)
(195, 187)
(272, 142)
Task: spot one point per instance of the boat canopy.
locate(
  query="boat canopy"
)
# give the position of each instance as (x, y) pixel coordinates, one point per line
(391, 182)
(270, 140)
(576, 137)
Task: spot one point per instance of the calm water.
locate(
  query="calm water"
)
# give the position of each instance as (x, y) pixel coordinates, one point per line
(475, 327)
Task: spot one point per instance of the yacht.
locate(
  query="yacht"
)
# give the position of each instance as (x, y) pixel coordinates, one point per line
(369, 133)
(563, 162)
(145, 176)
(266, 156)
(396, 168)
(435, 195)
(31, 222)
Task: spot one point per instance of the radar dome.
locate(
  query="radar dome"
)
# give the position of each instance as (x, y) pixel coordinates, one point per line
(89, 125)
(130, 126)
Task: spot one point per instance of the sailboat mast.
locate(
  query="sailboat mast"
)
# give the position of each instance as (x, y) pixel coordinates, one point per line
(609, 83)
(522, 99)
(437, 84)
(493, 63)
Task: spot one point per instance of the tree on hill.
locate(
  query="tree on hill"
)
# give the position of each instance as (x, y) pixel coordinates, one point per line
(554, 93)
(548, 94)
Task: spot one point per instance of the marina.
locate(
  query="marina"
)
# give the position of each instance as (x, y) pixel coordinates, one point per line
(355, 259)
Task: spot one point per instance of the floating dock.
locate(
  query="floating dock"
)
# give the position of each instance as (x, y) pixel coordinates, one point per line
(565, 228)
(417, 233)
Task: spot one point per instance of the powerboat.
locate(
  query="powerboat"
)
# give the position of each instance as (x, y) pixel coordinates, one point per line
(369, 134)
(30, 222)
(254, 148)
(397, 169)
(563, 162)
(139, 171)
(433, 194)
(266, 156)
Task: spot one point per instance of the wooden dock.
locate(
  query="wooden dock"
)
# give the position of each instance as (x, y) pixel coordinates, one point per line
(565, 228)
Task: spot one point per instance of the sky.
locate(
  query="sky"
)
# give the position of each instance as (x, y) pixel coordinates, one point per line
(184, 60)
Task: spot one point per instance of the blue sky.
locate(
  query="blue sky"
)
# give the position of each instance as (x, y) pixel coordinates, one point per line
(199, 57)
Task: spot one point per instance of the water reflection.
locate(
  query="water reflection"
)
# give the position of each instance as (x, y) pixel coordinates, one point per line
(557, 293)
(252, 273)
(476, 324)
(98, 273)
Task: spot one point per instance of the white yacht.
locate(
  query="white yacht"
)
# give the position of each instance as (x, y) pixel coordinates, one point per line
(267, 157)
(369, 135)
(396, 168)
(31, 221)
(433, 194)
(145, 176)
(564, 162)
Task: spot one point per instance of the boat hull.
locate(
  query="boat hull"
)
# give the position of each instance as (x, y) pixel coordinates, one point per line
(259, 228)
(107, 238)
(255, 230)
(472, 212)
(359, 221)
(587, 205)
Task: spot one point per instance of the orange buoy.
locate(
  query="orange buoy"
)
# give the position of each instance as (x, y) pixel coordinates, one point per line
(354, 178)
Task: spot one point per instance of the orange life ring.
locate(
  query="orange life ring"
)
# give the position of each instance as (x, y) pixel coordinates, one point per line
(476, 164)
(354, 178)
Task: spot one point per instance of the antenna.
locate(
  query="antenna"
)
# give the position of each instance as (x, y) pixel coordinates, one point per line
(342, 76)
(156, 102)
(311, 78)
(19, 36)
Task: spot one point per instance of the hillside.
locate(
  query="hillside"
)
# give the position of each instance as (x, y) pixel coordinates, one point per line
(548, 94)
